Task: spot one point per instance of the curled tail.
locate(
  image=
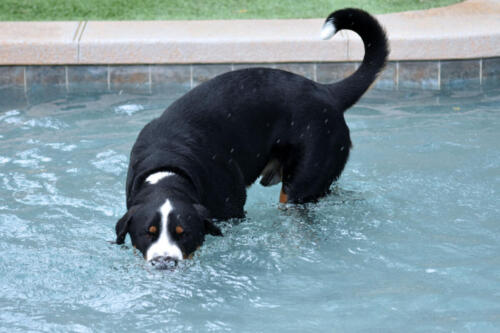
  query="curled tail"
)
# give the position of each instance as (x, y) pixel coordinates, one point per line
(348, 91)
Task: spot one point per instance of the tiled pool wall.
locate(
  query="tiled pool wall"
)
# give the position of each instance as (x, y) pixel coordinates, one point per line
(19, 83)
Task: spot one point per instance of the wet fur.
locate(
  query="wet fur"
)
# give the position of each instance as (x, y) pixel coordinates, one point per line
(222, 135)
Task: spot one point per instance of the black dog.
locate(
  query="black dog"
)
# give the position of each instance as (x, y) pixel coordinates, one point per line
(196, 161)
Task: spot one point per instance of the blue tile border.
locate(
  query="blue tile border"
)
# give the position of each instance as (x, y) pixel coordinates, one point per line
(147, 79)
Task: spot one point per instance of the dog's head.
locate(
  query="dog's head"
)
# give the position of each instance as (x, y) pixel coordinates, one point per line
(168, 232)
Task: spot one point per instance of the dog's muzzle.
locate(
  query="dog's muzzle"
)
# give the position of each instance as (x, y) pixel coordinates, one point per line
(164, 262)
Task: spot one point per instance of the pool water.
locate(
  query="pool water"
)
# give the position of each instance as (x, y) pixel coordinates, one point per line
(408, 241)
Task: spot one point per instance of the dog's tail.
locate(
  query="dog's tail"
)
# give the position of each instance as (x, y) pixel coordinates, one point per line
(349, 90)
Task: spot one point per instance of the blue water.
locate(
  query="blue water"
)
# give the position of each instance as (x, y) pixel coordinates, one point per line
(408, 241)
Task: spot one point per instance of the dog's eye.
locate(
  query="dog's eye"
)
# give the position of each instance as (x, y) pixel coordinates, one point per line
(152, 230)
(179, 230)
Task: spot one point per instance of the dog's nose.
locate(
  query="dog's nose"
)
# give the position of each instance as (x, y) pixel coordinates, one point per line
(164, 262)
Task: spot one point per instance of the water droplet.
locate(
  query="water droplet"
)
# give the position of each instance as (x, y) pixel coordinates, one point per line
(326, 121)
(232, 150)
(324, 110)
(229, 115)
(254, 89)
(258, 155)
(308, 127)
(278, 141)
(342, 148)
(214, 156)
(292, 123)
(227, 199)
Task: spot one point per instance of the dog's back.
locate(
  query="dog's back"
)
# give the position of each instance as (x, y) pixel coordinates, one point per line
(240, 121)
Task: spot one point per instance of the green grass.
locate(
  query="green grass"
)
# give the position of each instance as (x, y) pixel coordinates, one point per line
(57, 10)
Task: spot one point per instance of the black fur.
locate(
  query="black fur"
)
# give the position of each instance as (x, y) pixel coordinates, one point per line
(220, 136)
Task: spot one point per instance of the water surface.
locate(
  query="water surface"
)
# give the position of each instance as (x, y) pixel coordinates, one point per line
(409, 240)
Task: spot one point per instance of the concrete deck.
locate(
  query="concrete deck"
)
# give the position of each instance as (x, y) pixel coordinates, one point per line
(463, 31)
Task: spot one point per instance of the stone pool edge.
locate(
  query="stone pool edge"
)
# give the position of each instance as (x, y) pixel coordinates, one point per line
(449, 47)
(466, 30)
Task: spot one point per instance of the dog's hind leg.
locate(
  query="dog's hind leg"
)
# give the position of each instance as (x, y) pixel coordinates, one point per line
(305, 186)
(310, 177)
(283, 196)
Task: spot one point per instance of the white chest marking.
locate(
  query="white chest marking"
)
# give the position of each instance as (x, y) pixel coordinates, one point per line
(164, 246)
(157, 176)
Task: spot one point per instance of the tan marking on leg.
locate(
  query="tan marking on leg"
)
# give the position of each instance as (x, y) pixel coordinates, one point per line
(283, 196)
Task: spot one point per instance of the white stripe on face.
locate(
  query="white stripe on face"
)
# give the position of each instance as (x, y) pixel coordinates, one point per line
(164, 245)
(157, 176)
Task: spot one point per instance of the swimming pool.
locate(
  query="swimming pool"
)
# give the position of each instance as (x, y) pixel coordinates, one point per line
(409, 239)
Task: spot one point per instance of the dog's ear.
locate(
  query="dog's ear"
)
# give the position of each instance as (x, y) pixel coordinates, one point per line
(122, 225)
(210, 227)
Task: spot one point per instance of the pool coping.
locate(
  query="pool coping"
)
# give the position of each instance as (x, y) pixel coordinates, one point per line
(467, 30)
